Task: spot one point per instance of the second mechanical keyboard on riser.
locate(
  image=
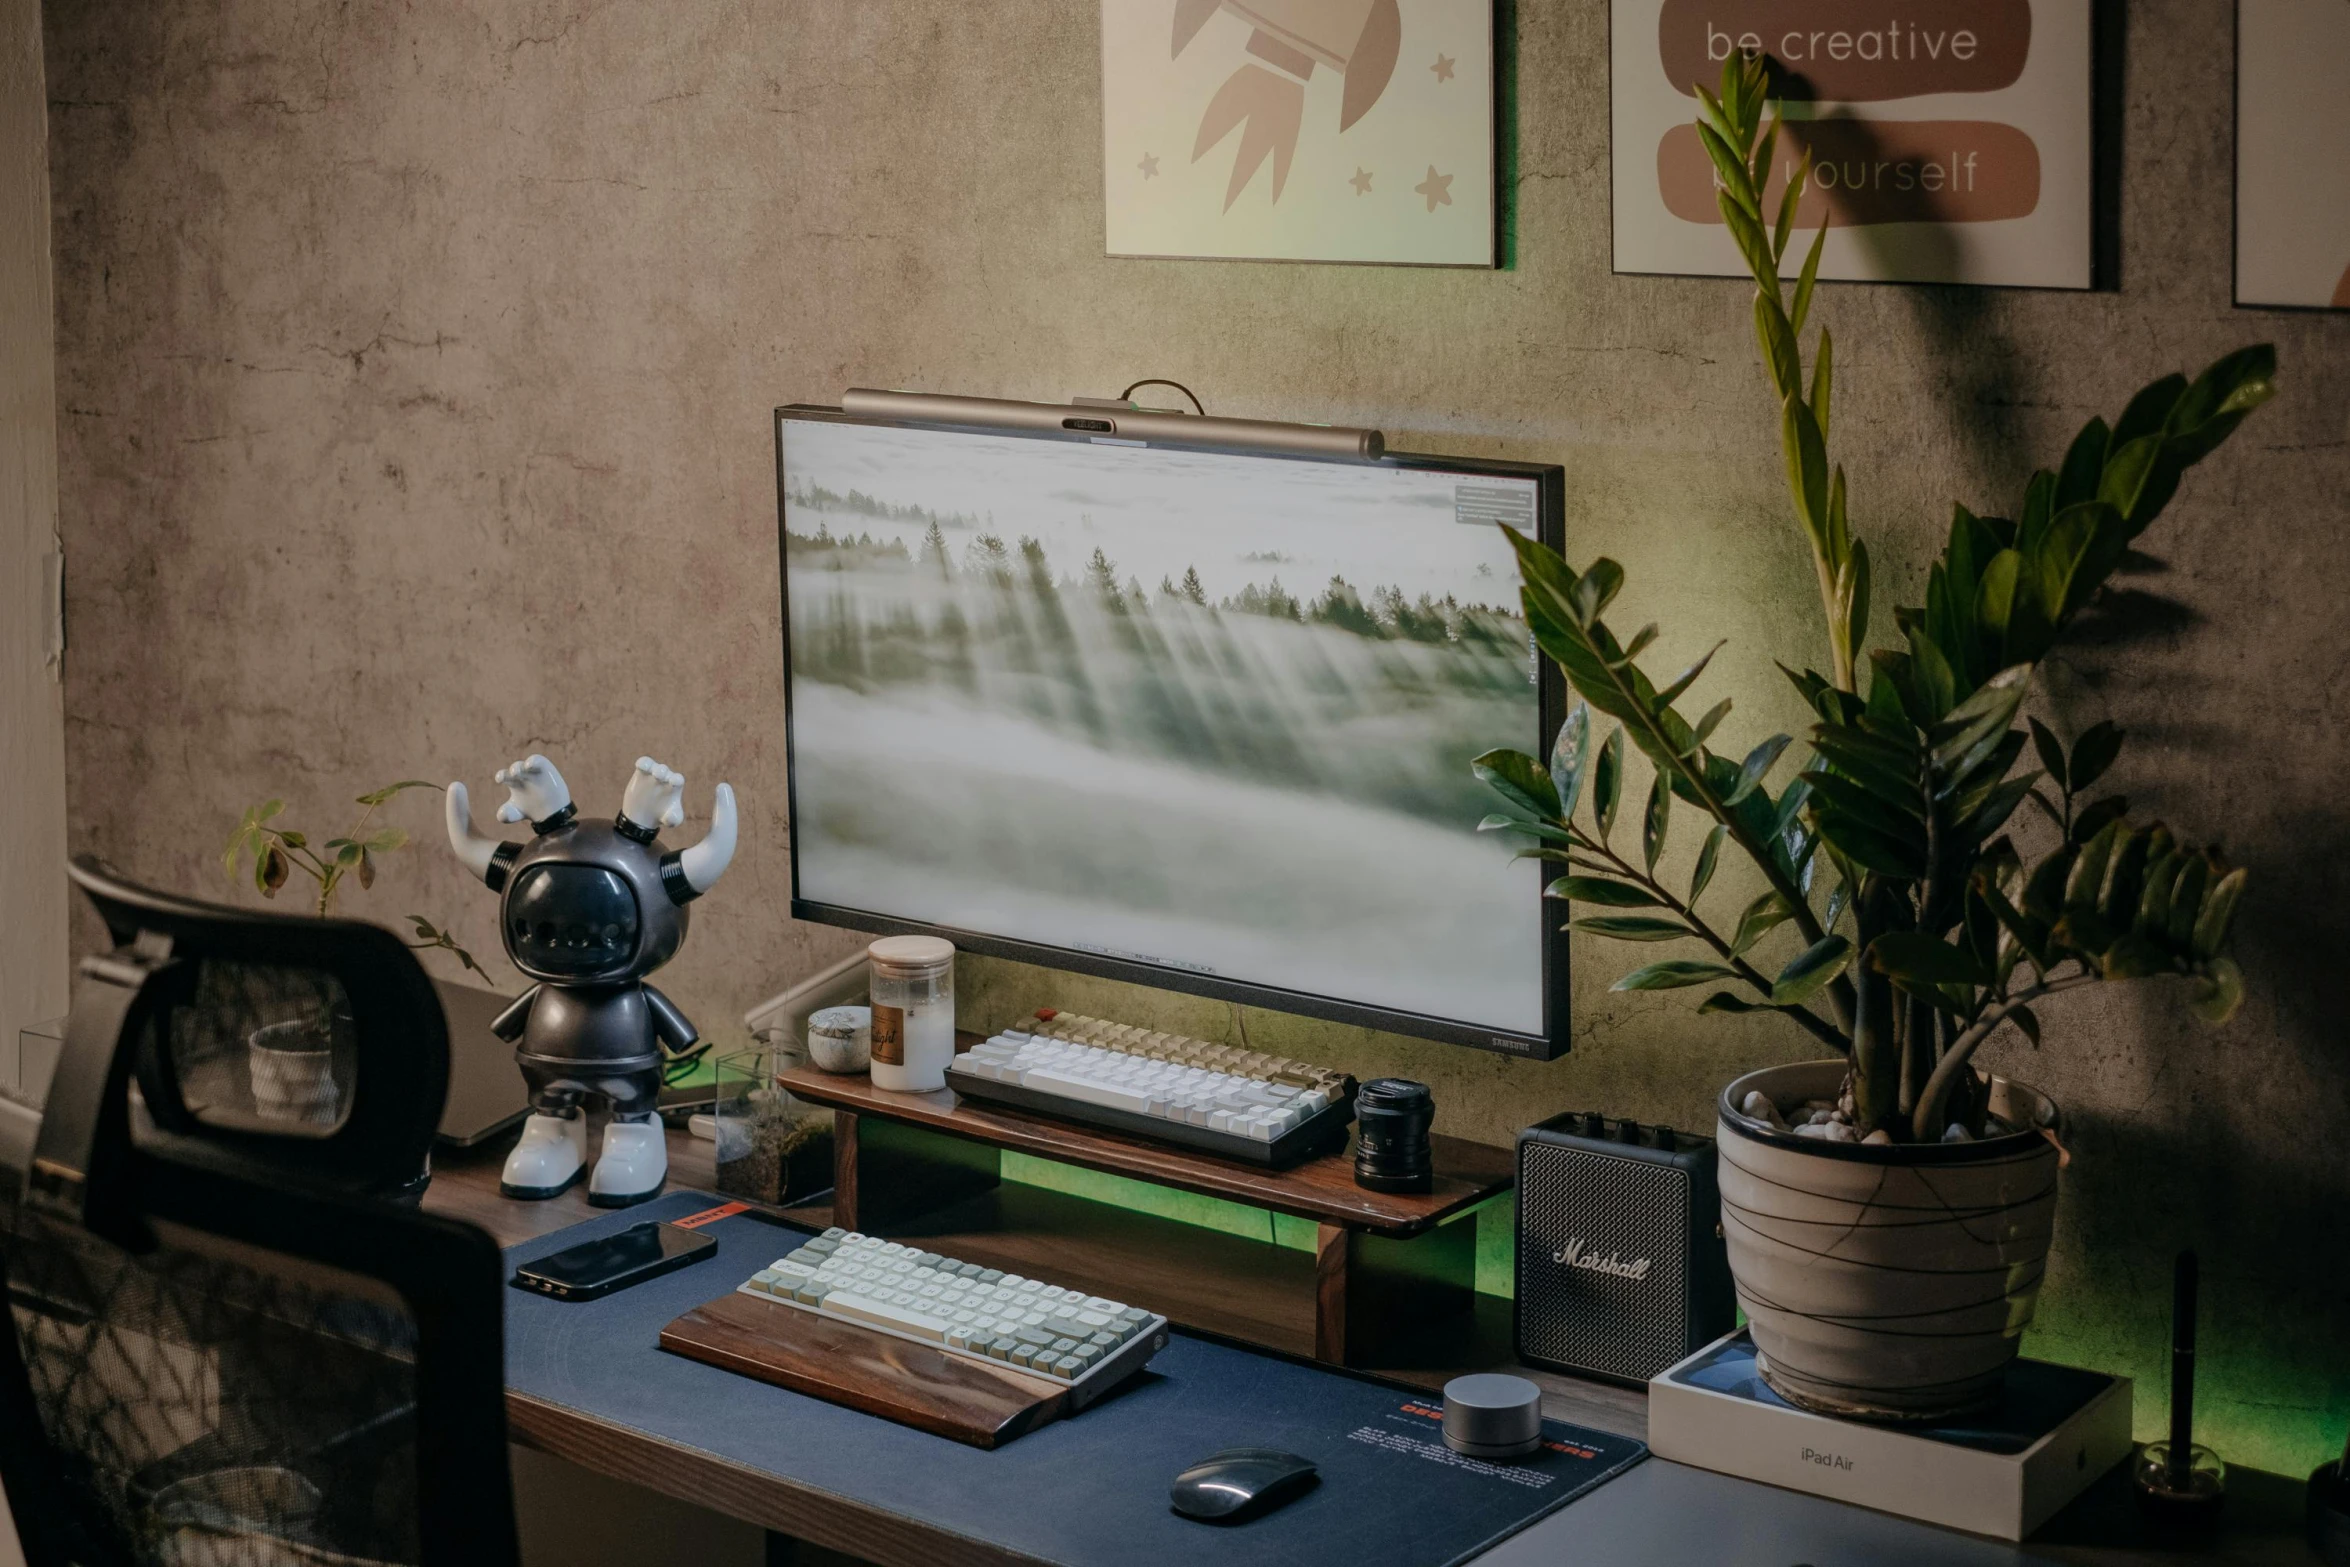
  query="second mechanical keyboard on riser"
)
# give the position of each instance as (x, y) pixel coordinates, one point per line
(1258, 1108)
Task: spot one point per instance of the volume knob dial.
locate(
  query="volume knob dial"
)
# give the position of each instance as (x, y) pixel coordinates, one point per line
(1491, 1415)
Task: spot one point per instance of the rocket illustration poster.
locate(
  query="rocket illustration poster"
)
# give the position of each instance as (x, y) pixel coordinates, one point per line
(1299, 130)
(2292, 153)
(1949, 143)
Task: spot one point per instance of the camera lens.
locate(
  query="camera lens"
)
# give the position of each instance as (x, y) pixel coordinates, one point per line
(1391, 1152)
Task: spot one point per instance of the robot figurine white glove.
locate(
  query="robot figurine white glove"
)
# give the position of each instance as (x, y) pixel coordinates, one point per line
(655, 797)
(535, 792)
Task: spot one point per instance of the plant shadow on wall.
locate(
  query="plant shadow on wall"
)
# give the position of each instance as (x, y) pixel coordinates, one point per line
(1909, 911)
(2196, 1135)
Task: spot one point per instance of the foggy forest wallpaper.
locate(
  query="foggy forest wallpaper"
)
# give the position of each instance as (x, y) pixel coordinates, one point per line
(1213, 713)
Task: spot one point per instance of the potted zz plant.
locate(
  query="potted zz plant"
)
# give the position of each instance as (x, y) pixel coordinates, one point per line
(1887, 1209)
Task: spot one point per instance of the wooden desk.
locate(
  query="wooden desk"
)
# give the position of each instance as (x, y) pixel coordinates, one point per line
(1630, 1521)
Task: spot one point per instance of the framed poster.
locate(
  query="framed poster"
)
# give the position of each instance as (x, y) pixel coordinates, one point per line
(2292, 153)
(1299, 130)
(1951, 143)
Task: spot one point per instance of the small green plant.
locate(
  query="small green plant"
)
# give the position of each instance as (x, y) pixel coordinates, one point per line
(1927, 932)
(276, 852)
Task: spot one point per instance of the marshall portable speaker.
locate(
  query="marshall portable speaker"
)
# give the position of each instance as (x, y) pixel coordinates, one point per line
(1621, 1266)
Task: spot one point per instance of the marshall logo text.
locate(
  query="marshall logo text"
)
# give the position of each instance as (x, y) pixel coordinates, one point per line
(1573, 1255)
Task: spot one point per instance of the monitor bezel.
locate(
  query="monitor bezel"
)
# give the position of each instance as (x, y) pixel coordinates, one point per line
(1550, 1043)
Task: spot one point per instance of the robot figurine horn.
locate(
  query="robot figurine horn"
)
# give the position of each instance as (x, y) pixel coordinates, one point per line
(587, 910)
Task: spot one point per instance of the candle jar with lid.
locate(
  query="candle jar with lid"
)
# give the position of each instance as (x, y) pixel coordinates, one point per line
(912, 988)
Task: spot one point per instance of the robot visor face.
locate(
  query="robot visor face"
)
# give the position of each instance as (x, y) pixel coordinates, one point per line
(571, 922)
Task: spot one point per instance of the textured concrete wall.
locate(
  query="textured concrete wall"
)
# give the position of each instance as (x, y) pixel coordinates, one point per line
(32, 720)
(32, 727)
(415, 362)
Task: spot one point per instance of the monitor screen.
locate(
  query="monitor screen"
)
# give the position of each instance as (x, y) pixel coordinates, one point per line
(1193, 718)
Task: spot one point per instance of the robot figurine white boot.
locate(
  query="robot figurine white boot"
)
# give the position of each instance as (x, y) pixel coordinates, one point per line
(549, 1158)
(632, 1166)
(587, 909)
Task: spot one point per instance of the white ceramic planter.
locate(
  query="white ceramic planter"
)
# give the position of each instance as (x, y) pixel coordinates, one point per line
(293, 1075)
(1885, 1282)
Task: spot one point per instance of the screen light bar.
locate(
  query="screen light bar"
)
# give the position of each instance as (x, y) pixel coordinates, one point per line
(1151, 426)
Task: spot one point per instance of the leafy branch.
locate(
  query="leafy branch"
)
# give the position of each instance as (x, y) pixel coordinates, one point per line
(1743, 150)
(270, 854)
(430, 938)
(1564, 609)
(1550, 797)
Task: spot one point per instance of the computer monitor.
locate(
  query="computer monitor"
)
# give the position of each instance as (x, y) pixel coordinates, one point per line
(1190, 718)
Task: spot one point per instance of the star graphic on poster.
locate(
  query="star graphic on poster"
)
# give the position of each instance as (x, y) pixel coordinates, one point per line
(1361, 182)
(1437, 188)
(1149, 165)
(1442, 68)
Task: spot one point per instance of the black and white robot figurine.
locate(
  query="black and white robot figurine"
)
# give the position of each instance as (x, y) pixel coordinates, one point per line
(587, 910)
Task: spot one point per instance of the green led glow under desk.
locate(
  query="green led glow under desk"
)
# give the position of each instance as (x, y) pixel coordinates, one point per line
(1386, 1269)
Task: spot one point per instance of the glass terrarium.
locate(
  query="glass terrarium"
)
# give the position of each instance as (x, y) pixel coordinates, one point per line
(772, 1148)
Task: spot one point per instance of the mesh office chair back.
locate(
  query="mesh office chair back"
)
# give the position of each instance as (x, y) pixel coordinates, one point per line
(232, 1342)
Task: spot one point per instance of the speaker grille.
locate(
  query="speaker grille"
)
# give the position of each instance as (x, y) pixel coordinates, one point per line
(1620, 1209)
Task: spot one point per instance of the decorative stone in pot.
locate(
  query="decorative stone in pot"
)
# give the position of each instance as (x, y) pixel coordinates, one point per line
(1885, 1281)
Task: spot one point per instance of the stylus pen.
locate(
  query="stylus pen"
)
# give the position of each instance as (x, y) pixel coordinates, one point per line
(2182, 1370)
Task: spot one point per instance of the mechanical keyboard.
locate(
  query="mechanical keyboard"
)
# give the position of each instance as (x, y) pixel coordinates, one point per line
(1061, 1335)
(1261, 1109)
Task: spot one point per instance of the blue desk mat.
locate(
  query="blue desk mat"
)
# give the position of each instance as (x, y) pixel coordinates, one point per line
(1087, 1491)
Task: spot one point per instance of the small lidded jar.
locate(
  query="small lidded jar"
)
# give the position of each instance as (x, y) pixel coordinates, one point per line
(840, 1038)
(912, 988)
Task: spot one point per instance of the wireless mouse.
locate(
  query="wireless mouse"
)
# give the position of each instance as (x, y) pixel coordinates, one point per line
(1240, 1483)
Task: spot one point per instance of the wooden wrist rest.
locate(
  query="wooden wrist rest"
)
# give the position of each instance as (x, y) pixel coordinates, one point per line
(947, 1395)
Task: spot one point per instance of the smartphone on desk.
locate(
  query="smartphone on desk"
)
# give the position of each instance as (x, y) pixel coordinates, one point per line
(594, 1269)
